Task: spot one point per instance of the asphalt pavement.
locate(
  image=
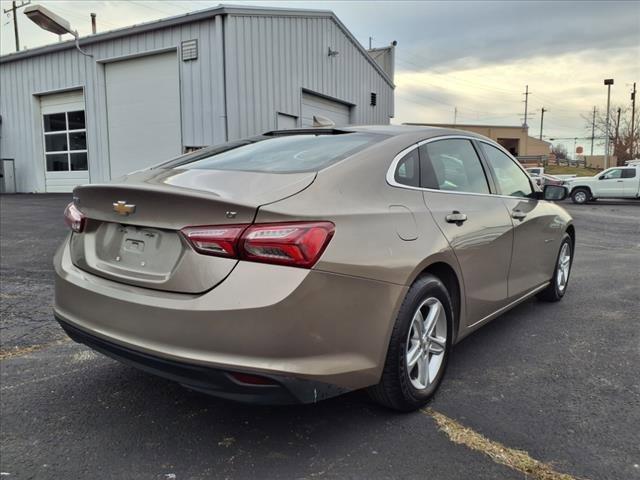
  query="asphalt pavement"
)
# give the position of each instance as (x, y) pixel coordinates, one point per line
(559, 381)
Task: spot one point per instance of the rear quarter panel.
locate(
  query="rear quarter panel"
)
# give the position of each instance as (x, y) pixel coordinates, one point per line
(383, 233)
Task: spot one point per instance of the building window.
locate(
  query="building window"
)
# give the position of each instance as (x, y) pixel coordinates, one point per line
(65, 141)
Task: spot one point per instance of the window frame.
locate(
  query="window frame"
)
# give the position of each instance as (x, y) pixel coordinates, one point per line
(67, 132)
(475, 141)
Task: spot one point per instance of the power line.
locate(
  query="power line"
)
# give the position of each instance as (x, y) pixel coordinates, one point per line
(14, 10)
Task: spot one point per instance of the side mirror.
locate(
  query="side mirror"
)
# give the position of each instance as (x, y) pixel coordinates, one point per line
(554, 193)
(601, 177)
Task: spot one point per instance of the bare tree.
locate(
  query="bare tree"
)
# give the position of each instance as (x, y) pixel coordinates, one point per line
(560, 151)
(620, 139)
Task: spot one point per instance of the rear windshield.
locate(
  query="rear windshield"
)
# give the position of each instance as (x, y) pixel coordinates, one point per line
(288, 154)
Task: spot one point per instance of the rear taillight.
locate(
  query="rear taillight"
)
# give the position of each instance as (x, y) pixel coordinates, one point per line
(221, 241)
(295, 244)
(298, 244)
(74, 218)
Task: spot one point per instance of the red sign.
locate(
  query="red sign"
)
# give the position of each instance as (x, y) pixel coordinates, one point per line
(579, 150)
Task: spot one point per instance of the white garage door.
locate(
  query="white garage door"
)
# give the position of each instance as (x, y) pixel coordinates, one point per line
(143, 108)
(315, 105)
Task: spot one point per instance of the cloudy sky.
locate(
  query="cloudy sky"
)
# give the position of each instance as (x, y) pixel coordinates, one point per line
(474, 56)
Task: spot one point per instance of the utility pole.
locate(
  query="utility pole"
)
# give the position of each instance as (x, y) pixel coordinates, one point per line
(526, 105)
(593, 129)
(542, 120)
(618, 126)
(455, 115)
(633, 119)
(608, 82)
(14, 9)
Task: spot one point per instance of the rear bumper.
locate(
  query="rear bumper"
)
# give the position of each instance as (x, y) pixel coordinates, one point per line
(329, 332)
(285, 390)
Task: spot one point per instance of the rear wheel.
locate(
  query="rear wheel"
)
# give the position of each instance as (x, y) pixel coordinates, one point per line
(419, 347)
(580, 195)
(558, 286)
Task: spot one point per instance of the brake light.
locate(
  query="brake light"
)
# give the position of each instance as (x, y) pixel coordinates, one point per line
(74, 218)
(298, 244)
(295, 244)
(221, 241)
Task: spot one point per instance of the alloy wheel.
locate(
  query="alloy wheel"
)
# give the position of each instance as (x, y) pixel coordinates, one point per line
(426, 343)
(564, 265)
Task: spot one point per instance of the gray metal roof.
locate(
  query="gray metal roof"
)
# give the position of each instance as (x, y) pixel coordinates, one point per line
(194, 17)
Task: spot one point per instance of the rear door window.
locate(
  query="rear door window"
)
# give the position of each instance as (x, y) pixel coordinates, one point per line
(408, 169)
(452, 165)
(629, 173)
(288, 154)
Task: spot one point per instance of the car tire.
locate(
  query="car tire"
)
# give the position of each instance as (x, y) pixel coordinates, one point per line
(560, 280)
(580, 196)
(403, 387)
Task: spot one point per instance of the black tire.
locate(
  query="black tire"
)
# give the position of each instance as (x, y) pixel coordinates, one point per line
(395, 389)
(553, 293)
(580, 195)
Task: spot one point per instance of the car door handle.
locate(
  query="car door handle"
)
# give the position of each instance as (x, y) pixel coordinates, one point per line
(456, 217)
(518, 214)
(620, 181)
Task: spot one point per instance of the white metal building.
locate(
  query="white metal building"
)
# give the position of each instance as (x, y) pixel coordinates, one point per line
(155, 90)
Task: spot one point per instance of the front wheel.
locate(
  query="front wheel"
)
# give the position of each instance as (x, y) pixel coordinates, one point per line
(558, 285)
(580, 196)
(419, 347)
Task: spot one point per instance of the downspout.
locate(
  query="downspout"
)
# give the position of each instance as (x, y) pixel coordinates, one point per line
(222, 74)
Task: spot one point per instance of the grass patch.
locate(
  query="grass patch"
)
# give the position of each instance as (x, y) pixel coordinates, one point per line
(518, 460)
(567, 170)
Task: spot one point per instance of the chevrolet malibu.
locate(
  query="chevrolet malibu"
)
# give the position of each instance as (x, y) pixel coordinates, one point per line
(302, 264)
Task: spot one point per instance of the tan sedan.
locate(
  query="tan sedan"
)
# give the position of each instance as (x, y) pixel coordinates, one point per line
(298, 265)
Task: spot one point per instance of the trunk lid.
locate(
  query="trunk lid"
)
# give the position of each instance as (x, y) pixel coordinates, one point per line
(141, 244)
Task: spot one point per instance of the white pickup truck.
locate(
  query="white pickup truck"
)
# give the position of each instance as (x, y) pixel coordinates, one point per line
(616, 182)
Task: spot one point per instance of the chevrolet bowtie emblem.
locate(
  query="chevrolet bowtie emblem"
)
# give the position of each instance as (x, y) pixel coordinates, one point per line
(123, 208)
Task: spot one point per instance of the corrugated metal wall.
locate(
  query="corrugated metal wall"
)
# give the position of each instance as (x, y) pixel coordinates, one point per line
(271, 59)
(21, 130)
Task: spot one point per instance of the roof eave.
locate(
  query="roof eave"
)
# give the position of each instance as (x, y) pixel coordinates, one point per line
(195, 17)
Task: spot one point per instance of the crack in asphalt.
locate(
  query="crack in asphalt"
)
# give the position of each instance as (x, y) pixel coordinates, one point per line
(8, 353)
(517, 460)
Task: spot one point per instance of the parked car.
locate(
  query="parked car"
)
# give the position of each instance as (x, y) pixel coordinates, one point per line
(535, 171)
(545, 179)
(616, 182)
(299, 265)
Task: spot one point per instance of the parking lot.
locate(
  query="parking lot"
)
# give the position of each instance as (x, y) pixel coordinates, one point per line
(558, 381)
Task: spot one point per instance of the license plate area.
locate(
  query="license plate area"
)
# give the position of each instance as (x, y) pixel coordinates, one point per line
(138, 252)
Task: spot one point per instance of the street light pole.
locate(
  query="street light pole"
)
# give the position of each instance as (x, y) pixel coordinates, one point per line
(608, 82)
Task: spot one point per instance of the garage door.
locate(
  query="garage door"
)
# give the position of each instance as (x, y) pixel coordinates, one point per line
(143, 108)
(316, 105)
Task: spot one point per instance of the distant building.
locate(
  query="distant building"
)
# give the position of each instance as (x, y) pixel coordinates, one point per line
(515, 139)
(597, 161)
(152, 91)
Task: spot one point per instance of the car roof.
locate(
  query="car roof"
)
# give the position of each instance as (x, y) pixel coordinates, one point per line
(410, 133)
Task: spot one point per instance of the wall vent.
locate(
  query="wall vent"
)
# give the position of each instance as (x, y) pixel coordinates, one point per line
(189, 50)
(374, 99)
